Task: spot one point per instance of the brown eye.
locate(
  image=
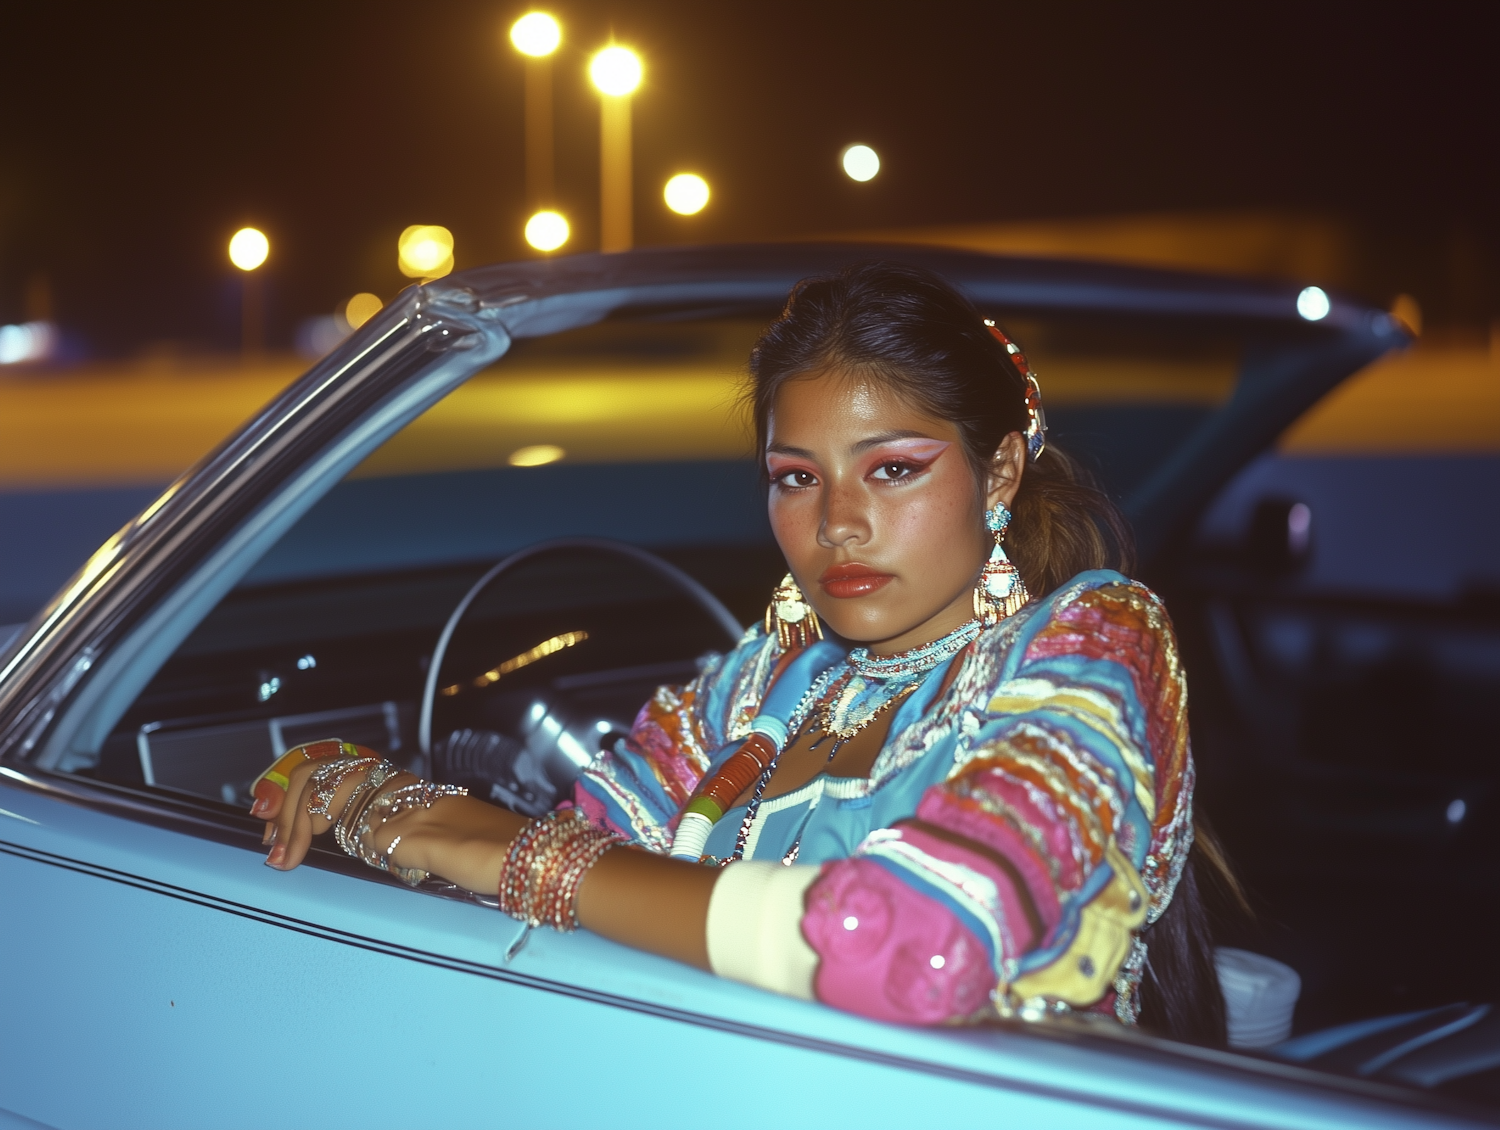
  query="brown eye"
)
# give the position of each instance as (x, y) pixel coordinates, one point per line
(797, 479)
(894, 471)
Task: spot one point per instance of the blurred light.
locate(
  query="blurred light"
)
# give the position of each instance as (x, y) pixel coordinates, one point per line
(248, 248)
(536, 455)
(307, 662)
(1299, 528)
(318, 337)
(602, 726)
(361, 308)
(1406, 311)
(937, 961)
(686, 194)
(29, 341)
(536, 34)
(425, 251)
(268, 688)
(531, 655)
(547, 231)
(616, 71)
(1313, 303)
(861, 162)
(1457, 810)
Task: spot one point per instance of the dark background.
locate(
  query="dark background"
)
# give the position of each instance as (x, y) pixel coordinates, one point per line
(137, 138)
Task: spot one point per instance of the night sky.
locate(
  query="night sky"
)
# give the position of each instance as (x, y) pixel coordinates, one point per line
(137, 137)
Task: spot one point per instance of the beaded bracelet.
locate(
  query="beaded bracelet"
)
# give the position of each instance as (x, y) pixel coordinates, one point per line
(545, 868)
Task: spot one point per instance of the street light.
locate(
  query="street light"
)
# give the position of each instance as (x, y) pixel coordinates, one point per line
(425, 251)
(616, 73)
(360, 308)
(248, 249)
(547, 231)
(860, 162)
(537, 35)
(686, 194)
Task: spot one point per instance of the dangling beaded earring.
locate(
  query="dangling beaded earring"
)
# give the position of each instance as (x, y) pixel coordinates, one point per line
(1000, 591)
(791, 617)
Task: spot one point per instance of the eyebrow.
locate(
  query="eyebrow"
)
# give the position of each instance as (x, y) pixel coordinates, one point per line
(787, 449)
(890, 437)
(862, 446)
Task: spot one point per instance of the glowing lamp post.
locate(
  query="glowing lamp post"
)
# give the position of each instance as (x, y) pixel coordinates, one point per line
(248, 249)
(616, 74)
(537, 35)
(547, 231)
(686, 194)
(425, 251)
(860, 162)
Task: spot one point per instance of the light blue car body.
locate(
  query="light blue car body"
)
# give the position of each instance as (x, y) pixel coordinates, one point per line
(156, 973)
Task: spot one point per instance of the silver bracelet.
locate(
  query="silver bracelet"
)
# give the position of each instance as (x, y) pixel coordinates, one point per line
(385, 807)
(359, 801)
(326, 780)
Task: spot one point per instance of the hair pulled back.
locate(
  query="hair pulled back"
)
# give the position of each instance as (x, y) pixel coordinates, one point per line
(912, 331)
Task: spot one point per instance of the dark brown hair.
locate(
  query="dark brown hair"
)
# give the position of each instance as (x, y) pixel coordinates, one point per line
(913, 331)
(909, 329)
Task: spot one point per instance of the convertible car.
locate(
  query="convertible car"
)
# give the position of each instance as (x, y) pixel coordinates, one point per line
(476, 536)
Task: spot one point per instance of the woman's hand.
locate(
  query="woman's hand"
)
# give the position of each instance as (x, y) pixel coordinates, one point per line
(290, 827)
(461, 839)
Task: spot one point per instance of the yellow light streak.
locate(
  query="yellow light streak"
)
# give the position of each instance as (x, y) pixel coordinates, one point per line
(536, 455)
(525, 659)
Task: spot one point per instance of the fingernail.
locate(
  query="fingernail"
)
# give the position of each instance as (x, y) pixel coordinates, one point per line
(258, 807)
(277, 854)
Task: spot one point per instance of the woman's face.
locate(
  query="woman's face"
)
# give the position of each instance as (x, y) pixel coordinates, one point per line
(876, 509)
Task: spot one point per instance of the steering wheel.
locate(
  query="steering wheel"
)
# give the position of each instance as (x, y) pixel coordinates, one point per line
(665, 569)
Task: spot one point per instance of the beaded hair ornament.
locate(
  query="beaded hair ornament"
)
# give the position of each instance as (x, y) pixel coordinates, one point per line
(1036, 418)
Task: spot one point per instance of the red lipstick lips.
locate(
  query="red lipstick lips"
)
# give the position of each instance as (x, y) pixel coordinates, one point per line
(853, 579)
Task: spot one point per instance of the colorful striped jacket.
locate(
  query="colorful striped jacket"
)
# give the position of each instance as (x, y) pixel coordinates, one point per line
(1022, 823)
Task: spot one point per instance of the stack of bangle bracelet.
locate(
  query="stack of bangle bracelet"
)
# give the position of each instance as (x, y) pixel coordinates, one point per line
(545, 866)
(326, 780)
(369, 809)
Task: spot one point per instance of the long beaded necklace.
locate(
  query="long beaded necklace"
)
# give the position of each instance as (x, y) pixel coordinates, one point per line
(848, 697)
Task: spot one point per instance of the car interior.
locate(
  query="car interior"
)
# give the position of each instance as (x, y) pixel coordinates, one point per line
(1342, 754)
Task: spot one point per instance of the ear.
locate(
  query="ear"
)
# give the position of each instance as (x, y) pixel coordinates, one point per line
(1006, 469)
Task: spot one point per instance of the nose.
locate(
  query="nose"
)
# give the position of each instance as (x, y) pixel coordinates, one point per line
(846, 521)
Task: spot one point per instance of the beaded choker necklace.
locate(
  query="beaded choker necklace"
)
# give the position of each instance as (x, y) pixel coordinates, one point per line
(917, 660)
(847, 698)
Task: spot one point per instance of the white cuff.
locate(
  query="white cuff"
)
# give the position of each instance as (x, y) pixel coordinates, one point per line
(755, 927)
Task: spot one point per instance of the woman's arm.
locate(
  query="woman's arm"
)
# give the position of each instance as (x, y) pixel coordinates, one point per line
(632, 896)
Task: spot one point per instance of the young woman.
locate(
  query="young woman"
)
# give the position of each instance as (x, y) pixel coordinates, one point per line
(948, 778)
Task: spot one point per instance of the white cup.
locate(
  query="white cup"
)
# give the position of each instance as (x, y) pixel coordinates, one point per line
(1260, 995)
